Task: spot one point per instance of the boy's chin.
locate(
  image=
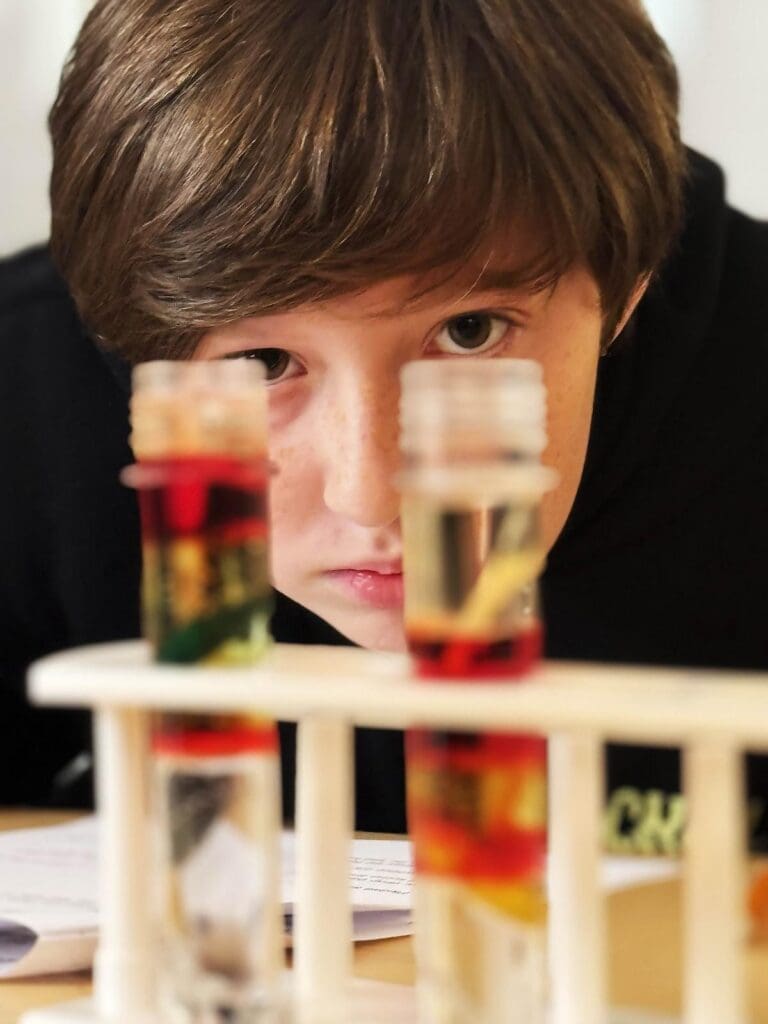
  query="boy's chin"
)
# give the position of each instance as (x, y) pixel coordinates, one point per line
(375, 630)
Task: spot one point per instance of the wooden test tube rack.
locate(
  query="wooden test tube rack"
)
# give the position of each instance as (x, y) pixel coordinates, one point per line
(713, 716)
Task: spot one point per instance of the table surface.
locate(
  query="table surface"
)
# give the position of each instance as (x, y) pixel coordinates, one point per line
(644, 937)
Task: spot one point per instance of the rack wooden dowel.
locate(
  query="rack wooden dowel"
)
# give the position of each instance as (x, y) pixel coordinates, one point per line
(323, 912)
(576, 918)
(713, 886)
(124, 959)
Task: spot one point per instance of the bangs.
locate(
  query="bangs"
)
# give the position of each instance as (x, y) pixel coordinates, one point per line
(415, 153)
(296, 150)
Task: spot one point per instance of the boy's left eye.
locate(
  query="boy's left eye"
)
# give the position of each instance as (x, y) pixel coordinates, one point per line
(472, 332)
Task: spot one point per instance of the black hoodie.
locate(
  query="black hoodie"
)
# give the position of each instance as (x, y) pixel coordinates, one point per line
(662, 561)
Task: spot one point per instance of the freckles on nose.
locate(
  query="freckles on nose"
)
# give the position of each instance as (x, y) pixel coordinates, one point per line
(375, 436)
(360, 452)
(383, 401)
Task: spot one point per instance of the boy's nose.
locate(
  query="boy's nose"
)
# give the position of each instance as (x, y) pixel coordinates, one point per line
(361, 457)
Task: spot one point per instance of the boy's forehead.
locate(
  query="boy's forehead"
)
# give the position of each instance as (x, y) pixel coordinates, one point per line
(443, 286)
(413, 292)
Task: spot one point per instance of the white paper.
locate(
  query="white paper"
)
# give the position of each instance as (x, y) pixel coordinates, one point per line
(49, 884)
(48, 892)
(380, 873)
(380, 882)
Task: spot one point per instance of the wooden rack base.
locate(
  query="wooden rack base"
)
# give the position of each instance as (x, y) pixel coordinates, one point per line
(375, 1002)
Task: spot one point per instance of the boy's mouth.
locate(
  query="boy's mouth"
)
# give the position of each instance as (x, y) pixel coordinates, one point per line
(376, 584)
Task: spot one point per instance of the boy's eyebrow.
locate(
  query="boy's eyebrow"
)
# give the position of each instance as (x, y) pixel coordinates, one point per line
(519, 279)
(490, 281)
(493, 283)
(493, 279)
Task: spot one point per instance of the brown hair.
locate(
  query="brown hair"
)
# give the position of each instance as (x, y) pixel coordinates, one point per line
(215, 159)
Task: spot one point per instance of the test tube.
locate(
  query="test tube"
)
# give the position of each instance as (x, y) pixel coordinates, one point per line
(472, 434)
(199, 437)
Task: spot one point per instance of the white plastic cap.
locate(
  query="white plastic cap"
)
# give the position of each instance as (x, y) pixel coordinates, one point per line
(473, 408)
(199, 407)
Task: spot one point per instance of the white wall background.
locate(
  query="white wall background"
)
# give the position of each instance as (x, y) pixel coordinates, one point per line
(719, 45)
(720, 48)
(35, 36)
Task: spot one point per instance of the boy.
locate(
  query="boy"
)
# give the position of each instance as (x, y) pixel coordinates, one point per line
(336, 187)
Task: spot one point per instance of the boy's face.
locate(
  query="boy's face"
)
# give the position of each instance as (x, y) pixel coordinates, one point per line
(334, 371)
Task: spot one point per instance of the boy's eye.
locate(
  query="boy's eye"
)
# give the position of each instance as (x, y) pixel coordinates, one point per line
(276, 360)
(472, 332)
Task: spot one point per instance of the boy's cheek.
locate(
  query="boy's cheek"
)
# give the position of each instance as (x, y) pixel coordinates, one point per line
(566, 453)
(554, 513)
(290, 504)
(571, 395)
(289, 475)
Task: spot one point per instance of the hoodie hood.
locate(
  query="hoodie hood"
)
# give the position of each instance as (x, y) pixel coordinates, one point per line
(673, 472)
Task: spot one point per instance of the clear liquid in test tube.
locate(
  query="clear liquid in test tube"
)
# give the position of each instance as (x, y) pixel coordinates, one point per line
(471, 487)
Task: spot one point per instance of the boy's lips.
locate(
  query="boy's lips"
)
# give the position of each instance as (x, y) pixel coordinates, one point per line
(377, 584)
